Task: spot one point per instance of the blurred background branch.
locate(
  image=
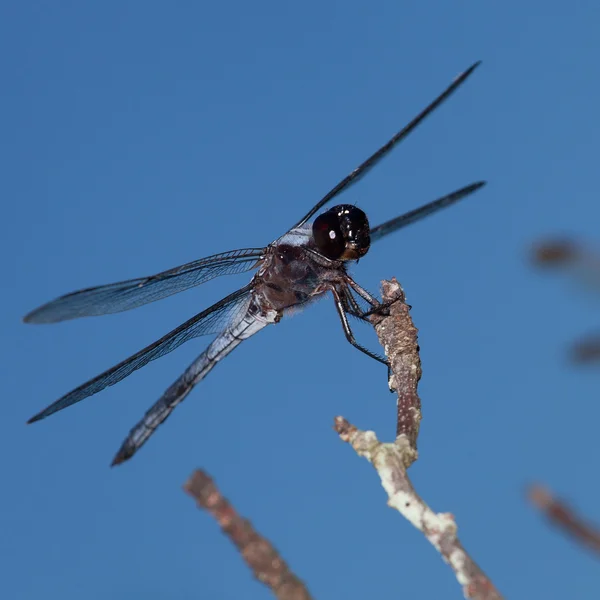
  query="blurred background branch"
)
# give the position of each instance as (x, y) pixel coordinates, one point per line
(260, 555)
(564, 517)
(582, 264)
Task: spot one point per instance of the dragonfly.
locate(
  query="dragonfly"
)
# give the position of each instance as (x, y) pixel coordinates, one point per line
(307, 262)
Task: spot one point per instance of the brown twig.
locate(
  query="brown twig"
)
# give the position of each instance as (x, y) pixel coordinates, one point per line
(586, 350)
(259, 554)
(556, 253)
(398, 336)
(575, 259)
(578, 260)
(583, 265)
(563, 516)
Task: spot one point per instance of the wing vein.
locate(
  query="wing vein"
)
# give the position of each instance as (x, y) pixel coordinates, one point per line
(208, 321)
(374, 159)
(129, 294)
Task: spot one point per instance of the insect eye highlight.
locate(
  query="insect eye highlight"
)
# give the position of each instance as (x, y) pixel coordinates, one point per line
(328, 236)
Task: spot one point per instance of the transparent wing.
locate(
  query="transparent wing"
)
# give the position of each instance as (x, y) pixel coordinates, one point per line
(125, 295)
(211, 320)
(222, 345)
(368, 164)
(424, 211)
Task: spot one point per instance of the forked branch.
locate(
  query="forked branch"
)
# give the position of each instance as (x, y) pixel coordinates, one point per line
(398, 336)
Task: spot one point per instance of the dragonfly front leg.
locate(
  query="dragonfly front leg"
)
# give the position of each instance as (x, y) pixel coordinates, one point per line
(341, 308)
(376, 306)
(351, 306)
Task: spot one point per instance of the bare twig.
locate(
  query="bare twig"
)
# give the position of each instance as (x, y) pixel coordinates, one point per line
(583, 265)
(586, 350)
(556, 253)
(259, 554)
(563, 516)
(575, 259)
(398, 336)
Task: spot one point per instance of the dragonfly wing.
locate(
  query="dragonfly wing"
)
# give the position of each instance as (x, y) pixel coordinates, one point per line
(378, 232)
(211, 320)
(374, 159)
(241, 328)
(125, 295)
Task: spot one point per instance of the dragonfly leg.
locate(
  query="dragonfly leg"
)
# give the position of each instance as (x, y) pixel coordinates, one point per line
(340, 305)
(377, 307)
(351, 306)
(381, 309)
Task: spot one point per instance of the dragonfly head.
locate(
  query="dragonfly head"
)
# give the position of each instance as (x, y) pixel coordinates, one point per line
(342, 233)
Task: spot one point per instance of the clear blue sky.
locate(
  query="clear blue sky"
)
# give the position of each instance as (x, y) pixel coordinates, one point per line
(137, 136)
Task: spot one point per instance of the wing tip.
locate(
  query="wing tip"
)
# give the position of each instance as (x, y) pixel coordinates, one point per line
(39, 316)
(29, 317)
(49, 410)
(469, 189)
(472, 67)
(462, 76)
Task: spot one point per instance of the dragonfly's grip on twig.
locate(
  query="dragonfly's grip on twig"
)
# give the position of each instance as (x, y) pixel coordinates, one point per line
(398, 336)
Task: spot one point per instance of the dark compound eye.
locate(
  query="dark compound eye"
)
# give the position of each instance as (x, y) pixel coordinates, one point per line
(328, 235)
(342, 233)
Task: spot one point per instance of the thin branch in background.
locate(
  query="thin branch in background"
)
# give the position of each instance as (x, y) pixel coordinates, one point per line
(398, 336)
(583, 265)
(259, 554)
(586, 350)
(564, 517)
(574, 258)
(556, 253)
